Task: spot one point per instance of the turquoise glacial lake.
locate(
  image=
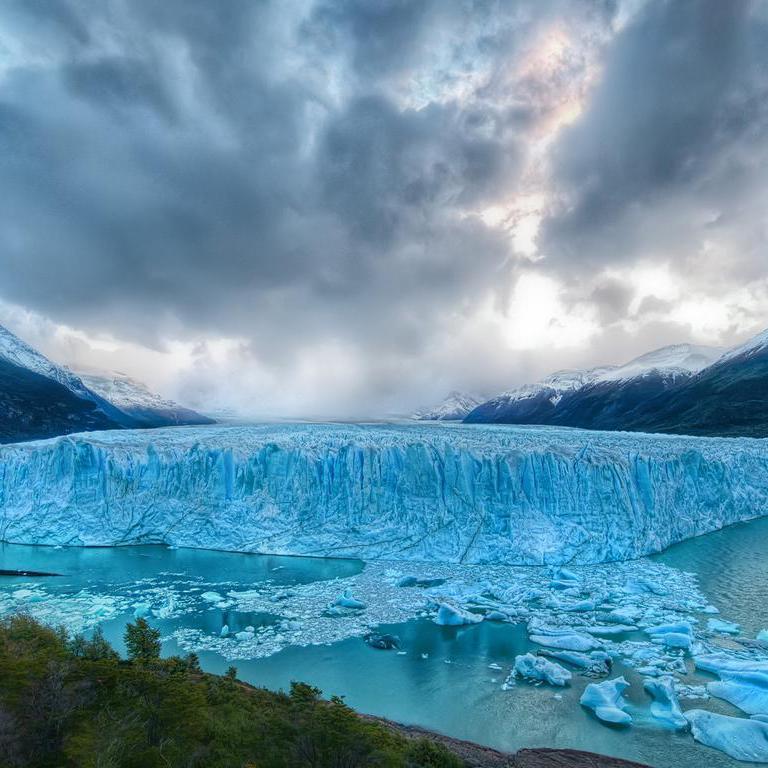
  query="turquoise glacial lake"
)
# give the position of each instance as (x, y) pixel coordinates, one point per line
(448, 679)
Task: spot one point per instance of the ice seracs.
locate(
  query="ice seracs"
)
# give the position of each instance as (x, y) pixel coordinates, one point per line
(486, 494)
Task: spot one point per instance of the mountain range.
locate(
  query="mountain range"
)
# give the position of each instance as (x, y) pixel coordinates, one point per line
(683, 389)
(39, 398)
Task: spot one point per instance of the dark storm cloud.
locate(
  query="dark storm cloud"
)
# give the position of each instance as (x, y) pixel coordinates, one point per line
(181, 161)
(684, 86)
(313, 172)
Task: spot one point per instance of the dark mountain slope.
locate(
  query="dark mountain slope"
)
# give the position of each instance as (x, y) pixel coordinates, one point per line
(729, 398)
(33, 406)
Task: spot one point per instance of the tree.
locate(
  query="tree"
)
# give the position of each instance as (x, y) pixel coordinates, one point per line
(142, 642)
(95, 649)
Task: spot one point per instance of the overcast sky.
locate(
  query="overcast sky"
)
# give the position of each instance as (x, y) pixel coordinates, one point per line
(349, 207)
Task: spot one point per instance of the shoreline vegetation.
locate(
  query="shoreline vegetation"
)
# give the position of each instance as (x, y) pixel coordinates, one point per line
(72, 701)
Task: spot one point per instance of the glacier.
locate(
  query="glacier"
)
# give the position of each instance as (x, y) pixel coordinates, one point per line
(448, 493)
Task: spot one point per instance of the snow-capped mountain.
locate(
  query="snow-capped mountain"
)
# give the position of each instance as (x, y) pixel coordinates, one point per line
(729, 397)
(17, 352)
(453, 408)
(41, 399)
(608, 397)
(138, 401)
(537, 403)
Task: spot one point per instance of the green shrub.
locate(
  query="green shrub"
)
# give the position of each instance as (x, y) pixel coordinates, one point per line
(72, 703)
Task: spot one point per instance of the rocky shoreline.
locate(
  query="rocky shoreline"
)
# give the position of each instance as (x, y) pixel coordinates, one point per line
(478, 756)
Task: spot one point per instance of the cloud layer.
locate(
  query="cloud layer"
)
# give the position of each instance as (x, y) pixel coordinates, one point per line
(349, 206)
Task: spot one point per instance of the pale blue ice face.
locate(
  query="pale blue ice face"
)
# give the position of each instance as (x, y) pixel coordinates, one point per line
(438, 493)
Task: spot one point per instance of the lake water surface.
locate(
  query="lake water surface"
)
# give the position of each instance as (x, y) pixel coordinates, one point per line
(447, 678)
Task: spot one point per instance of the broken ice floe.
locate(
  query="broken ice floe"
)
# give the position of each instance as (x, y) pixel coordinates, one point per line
(581, 623)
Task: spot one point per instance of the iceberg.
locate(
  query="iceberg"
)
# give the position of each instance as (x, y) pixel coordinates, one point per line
(738, 737)
(537, 668)
(747, 690)
(723, 627)
(665, 706)
(449, 615)
(346, 600)
(606, 700)
(462, 493)
(565, 639)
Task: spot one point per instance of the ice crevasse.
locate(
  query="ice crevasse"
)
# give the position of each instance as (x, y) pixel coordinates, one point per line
(453, 493)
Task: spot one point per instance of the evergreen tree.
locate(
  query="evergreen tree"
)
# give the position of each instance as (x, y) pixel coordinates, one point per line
(142, 641)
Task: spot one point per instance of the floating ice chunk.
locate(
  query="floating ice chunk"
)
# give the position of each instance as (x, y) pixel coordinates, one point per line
(211, 597)
(224, 631)
(606, 700)
(747, 690)
(710, 609)
(640, 586)
(531, 667)
(496, 616)
(26, 594)
(494, 665)
(717, 663)
(681, 628)
(723, 627)
(580, 606)
(626, 614)
(738, 737)
(245, 635)
(610, 629)
(561, 584)
(565, 639)
(345, 600)
(673, 635)
(449, 615)
(594, 664)
(762, 637)
(665, 706)
(140, 610)
(691, 691)
(563, 574)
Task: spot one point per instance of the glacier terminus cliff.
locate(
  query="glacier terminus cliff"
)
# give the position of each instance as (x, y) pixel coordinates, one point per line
(450, 493)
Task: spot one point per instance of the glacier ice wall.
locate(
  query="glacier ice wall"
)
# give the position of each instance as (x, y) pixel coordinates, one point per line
(459, 493)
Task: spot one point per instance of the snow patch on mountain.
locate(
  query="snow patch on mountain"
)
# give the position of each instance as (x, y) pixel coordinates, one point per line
(19, 353)
(674, 360)
(752, 346)
(125, 392)
(454, 408)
